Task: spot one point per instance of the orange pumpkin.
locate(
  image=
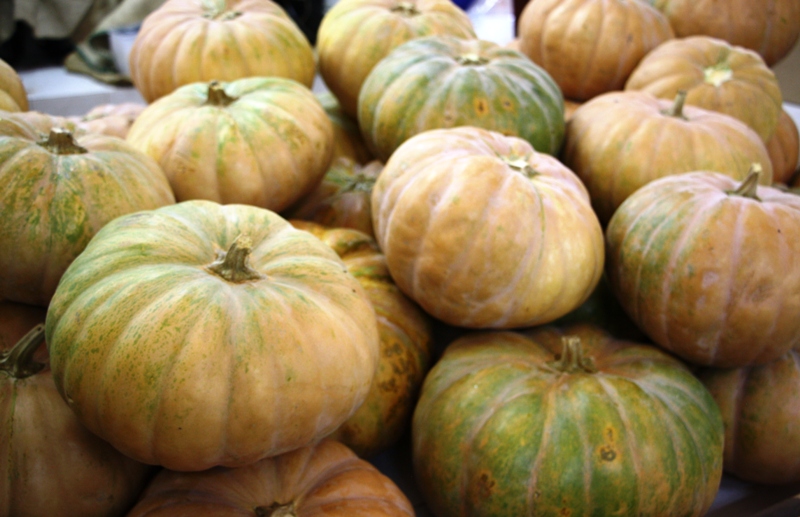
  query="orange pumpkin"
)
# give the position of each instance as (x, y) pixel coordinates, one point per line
(13, 96)
(483, 231)
(769, 27)
(188, 41)
(405, 344)
(355, 34)
(324, 480)
(717, 76)
(784, 149)
(110, 119)
(261, 141)
(590, 47)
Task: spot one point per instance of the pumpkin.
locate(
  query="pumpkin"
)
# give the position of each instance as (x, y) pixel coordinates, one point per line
(405, 342)
(619, 141)
(717, 76)
(13, 96)
(202, 334)
(347, 139)
(343, 197)
(784, 149)
(57, 189)
(483, 231)
(326, 479)
(110, 119)
(770, 27)
(355, 34)
(761, 414)
(49, 463)
(187, 41)
(590, 47)
(564, 422)
(443, 81)
(262, 141)
(709, 267)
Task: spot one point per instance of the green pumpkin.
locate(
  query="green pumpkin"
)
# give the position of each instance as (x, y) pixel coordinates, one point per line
(551, 422)
(443, 81)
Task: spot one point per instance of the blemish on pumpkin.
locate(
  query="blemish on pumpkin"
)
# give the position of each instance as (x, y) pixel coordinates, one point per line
(481, 106)
(607, 453)
(486, 485)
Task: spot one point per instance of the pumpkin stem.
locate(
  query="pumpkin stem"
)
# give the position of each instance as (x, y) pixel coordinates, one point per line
(18, 362)
(572, 359)
(749, 186)
(520, 165)
(405, 9)
(676, 110)
(217, 95)
(233, 265)
(471, 59)
(718, 73)
(275, 510)
(60, 141)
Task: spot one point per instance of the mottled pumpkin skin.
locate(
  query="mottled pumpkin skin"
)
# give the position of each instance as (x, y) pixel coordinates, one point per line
(619, 141)
(54, 199)
(590, 47)
(483, 231)
(406, 342)
(717, 76)
(712, 276)
(188, 41)
(262, 141)
(784, 149)
(50, 464)
(501, 429)
(324, 480)
(13, 96)
(343, 197)
(347, 139)
(177, 365)
(442, 82)
(760, 409)
(355, 34)
(769, 27)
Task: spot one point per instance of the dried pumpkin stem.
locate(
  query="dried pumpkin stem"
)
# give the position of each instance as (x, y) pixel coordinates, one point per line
(18, 362)
(521, 165)
(572, 359)
(471, 60)
(406, 9)
(718, 74)
(276, 510)
(676, 110)
(749, 187)
(233, 265)
(60, 141)
(217, 95)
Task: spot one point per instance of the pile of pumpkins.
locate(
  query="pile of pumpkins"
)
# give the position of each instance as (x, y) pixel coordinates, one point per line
(566, 268)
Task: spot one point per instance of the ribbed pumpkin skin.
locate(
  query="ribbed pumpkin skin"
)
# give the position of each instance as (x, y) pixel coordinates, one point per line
(13, 96)
(442, 82)
(355, 34)
(769, 27)
(761, 414)
(267, 147)
(325, 480)
(483, 231)
(711, 276)
(405, 334)
(177, 366)
(717, 76)
(590, 47)
(343, 197)
(52, 204)
(49, 463)
(784, 149)
(619, 141)
(188, 41)
(500, 430)
(347, 139)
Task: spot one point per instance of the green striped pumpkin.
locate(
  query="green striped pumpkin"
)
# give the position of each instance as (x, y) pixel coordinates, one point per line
(552, 422)
(443, 82)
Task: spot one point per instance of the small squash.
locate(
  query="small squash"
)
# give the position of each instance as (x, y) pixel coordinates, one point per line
(784, 149)
(202, 334)
(187, 41)
(709, 267)
(13, 96)
(405, 341)
(110, 119)
(323, 480)
(564, 422)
